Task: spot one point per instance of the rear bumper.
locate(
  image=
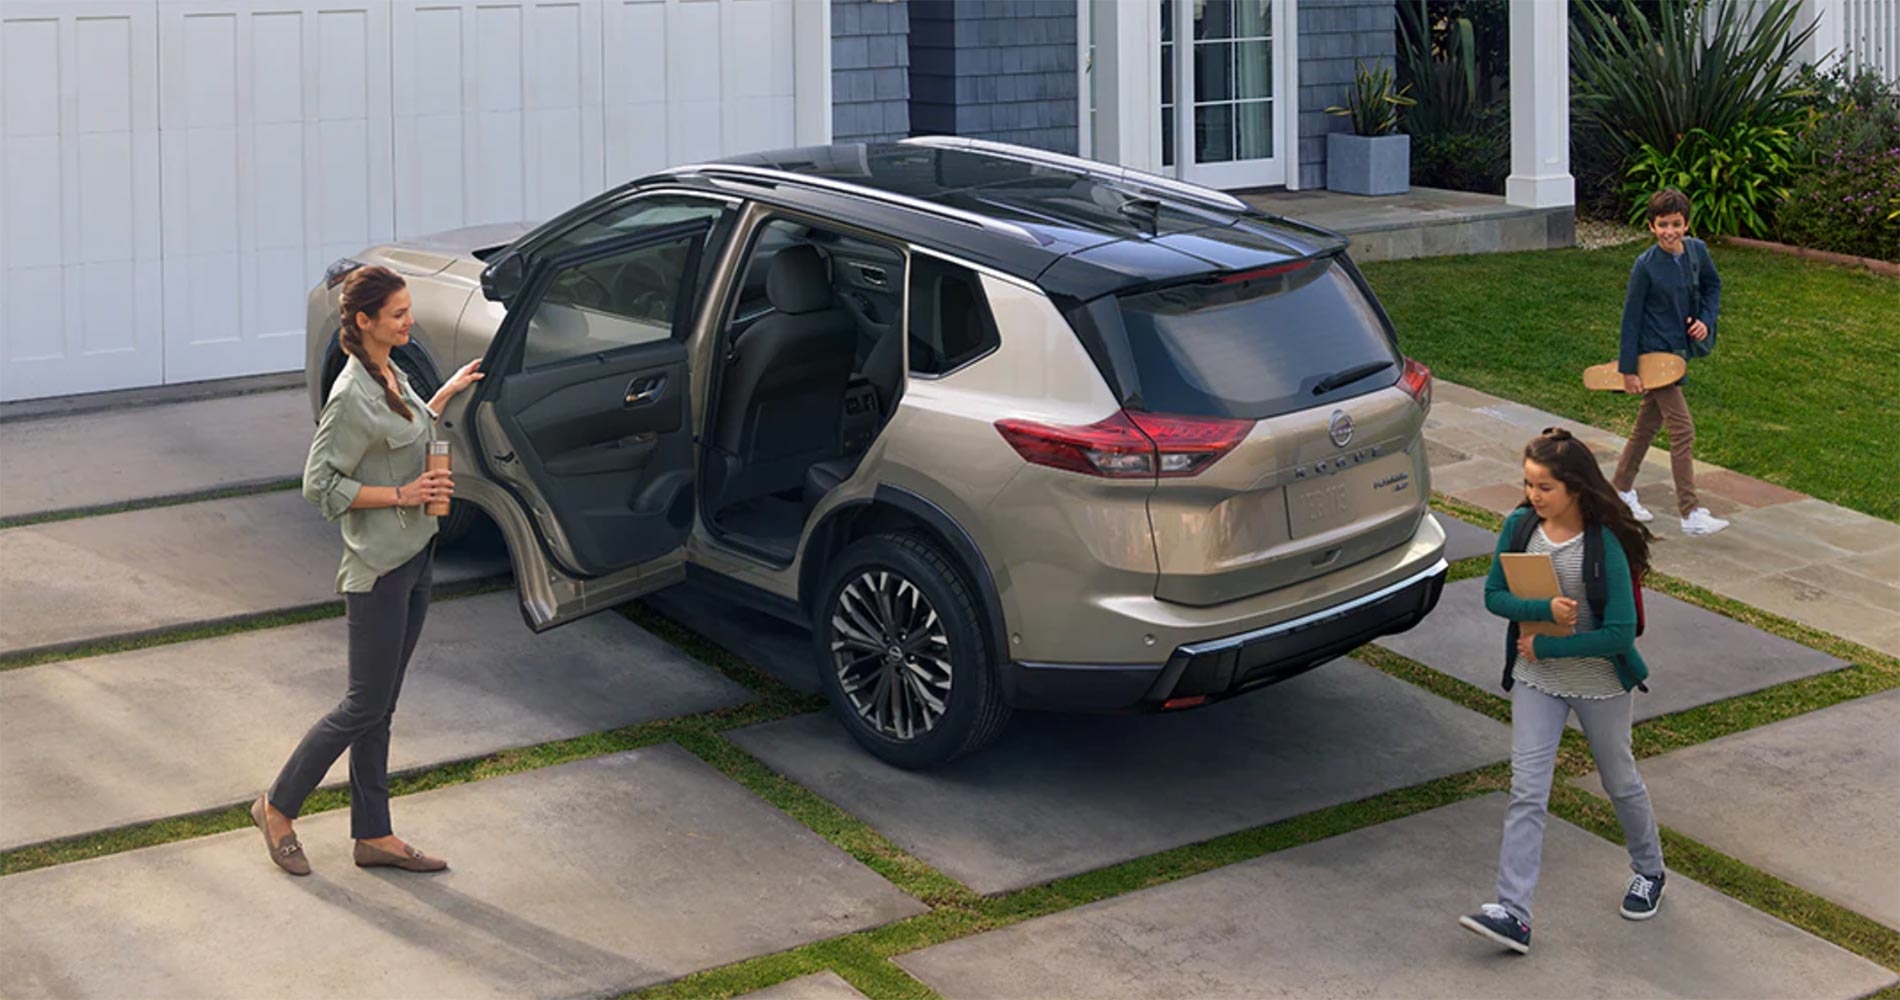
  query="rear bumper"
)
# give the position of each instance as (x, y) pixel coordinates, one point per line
(1213, 669)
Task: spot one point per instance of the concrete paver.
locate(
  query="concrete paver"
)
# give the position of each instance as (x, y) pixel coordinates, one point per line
(825, 985)
(106, 741)
(1811, 800)
(1774, 556)
(148, 452)
(1373, 914)
(1064, 794)
(1464, 539)
(95, 578)
(1695, 657)
(587, 879)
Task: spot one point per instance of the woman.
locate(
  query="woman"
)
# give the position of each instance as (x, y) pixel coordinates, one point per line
(366, 467)
(1589, 672)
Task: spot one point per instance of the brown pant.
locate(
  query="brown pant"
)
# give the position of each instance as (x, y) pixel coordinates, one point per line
(1663, 407)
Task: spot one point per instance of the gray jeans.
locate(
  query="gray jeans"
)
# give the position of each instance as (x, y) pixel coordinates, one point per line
(1537, 724)
(384, 625)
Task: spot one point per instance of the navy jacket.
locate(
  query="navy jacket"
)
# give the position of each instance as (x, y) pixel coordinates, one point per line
(1665, 290)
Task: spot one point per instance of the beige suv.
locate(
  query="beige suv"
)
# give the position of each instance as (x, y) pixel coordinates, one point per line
(1003, 428)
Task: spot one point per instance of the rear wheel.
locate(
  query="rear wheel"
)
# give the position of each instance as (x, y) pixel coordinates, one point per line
(902, 654)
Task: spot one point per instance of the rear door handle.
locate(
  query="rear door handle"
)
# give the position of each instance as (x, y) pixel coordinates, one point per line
(645, 389)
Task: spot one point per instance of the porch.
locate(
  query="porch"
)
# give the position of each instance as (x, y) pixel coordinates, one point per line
(1424, 222)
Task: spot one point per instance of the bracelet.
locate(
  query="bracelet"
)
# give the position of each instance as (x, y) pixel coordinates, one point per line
(399, 502)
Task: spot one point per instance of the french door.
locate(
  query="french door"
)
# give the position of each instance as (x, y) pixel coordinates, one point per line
(1222, 123)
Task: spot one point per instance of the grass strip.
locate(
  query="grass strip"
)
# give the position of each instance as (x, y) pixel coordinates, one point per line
(229, 626)
(975, 914)
(150, 503)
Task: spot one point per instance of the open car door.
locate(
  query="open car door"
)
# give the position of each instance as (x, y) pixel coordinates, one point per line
(585, 421)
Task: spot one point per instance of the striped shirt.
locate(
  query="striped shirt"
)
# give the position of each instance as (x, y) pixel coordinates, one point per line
(1573, 677)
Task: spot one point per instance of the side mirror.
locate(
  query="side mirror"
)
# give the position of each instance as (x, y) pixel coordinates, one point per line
(501, 281)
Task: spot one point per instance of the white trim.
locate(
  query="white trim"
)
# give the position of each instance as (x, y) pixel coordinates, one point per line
(1084, 135)
(811, 72)
(1540, 107)
(1289, 55)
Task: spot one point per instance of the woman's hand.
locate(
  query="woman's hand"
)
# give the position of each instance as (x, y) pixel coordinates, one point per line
(1563, 611)
(465, 376)
(431, 486)
(1527, 647)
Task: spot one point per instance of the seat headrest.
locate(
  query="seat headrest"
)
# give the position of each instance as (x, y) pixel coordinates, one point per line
(797, 282)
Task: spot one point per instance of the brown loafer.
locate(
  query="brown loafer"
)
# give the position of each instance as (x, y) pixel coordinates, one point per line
(286, 853)
(410, 860)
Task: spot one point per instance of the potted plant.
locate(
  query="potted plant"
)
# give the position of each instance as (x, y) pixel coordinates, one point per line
(1375, 157)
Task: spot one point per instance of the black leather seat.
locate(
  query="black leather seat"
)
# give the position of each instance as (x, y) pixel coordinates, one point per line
(884, 369)
(779, 406)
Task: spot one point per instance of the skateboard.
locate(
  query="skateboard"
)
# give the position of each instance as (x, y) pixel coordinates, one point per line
(1656, 369)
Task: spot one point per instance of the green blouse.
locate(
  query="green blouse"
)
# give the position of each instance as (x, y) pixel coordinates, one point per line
(362, 442)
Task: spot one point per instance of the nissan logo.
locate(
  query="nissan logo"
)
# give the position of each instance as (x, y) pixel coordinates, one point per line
(1340, 429)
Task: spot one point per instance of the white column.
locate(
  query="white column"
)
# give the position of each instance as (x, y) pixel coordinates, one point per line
(1128, 84)
(1826, 44)
(811, 72)
(1540, 106)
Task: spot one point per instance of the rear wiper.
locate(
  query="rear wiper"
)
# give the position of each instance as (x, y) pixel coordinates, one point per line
(1349, 376)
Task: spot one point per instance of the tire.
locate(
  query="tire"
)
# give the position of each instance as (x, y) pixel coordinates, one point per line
(462, 515)
(887, 601)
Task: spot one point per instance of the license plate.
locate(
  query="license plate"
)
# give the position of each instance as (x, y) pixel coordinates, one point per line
(1319, 505)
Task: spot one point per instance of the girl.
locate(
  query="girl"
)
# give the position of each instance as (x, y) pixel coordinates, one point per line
(366, 467)
(1589, 672)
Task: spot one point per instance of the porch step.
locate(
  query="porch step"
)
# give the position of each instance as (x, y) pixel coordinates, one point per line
(1424, 222)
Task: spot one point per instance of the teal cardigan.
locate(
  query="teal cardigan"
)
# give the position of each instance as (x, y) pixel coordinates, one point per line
(1614, 638)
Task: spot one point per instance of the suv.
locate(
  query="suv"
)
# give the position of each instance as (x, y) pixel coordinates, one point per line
(1003, 428)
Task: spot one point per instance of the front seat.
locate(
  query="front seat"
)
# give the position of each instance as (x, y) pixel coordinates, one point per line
(779, 403)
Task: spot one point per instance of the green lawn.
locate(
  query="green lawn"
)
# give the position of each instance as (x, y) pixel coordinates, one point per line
(1803, 389)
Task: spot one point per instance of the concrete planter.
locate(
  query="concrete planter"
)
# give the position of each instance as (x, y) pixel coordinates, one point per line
(1368, 164)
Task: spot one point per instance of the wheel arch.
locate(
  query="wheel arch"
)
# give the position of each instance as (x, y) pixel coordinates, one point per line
(895, 509)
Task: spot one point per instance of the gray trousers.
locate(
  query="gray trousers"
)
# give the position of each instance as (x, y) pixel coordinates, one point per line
(1537, 724)
(383, 626)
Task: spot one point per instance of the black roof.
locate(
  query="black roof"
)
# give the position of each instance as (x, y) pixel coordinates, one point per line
(1078, 230)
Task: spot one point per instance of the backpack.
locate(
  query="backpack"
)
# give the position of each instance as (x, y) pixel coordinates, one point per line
(1595, 589)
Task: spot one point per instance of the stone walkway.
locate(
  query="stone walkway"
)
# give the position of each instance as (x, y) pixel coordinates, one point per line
(1786, 553)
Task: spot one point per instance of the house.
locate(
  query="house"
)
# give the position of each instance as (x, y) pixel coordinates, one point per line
(174, 174)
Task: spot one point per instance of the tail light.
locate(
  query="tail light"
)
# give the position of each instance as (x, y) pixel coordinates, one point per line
(1417, 380)
(1128, 445)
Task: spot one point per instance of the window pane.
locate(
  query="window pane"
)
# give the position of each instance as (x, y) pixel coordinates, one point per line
(950, 323)
(1213, 71)
(1167, 137)
(1253, 130)
(1214, 133)
(608, 303)
(1253, 18)
(629, 218)
(1214, 19)
(1254, 69)
(1167, 21)
(1167, 74)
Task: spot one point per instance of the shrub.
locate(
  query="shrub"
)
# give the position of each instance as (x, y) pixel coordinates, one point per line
(1848, 203)
(1733, 179)
(1475, 160)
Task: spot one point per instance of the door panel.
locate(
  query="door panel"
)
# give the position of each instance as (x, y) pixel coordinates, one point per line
(585, 415)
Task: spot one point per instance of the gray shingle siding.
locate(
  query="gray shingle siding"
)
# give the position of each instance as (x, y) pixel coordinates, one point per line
(995, 69)
(1334, 35)
(870, 70)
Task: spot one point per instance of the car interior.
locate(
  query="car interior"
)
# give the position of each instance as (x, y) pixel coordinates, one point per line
(812, 367)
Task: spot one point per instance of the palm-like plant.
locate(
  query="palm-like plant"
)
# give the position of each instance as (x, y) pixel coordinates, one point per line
(1374, 103)
(1690, 64)
(1447, 88)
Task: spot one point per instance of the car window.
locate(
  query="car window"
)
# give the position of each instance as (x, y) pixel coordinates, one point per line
(608, 303)
(630, 217)
(950, 322)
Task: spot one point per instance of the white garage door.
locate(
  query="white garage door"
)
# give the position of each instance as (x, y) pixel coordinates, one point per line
(176, 173)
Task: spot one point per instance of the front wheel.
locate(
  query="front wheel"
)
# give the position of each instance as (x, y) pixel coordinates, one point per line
(902, 654)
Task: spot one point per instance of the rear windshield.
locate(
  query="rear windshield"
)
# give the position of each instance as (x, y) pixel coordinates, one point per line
(1244, 347)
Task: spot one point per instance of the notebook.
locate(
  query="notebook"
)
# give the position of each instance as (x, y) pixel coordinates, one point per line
(1532, 575)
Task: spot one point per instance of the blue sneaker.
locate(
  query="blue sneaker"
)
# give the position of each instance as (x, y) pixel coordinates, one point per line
(1643, 896)
(1495, 922)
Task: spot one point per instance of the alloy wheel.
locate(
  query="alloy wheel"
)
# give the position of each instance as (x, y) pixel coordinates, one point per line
(892, 655)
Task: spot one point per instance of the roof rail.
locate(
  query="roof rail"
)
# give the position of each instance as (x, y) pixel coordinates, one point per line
(1101, 171)
(864, 191)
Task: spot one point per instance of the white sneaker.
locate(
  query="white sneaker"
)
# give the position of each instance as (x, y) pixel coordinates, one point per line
(1637, 510)
(1701, 522)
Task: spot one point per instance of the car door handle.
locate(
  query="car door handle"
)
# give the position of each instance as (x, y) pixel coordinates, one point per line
(645, 389)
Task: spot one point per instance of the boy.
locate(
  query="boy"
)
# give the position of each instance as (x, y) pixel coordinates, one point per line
(1673, 300)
